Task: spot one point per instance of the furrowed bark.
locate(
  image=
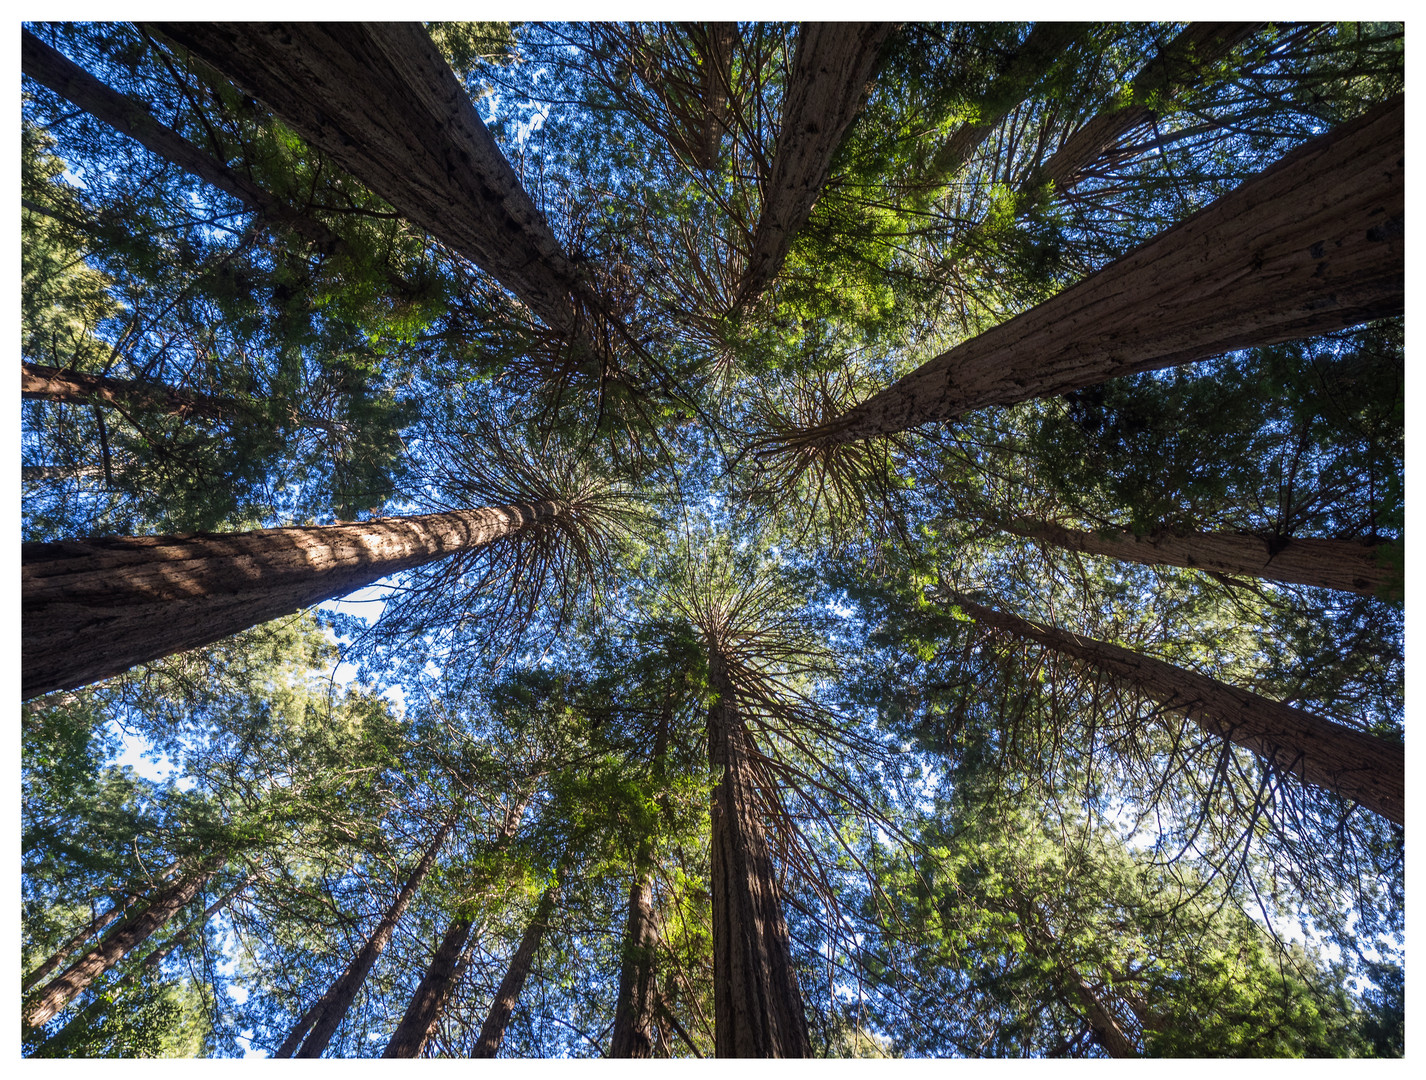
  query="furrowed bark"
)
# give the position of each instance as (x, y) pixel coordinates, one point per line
(39, 383)
(1345, 565)
(1352, 764)
(1197, 47)
(131, 933)
(424, 1011)
(1042, 47)
(830, 78)
(338, 1000)
(758, 1009)
(492, 1032)
(95, 607)
(1313, 244)
(65, 951)
(382, 102)
(74, 84)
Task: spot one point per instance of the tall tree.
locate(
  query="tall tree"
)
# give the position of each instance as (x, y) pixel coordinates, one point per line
(507, 994)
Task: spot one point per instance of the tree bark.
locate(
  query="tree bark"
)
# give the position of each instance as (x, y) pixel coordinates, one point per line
(129, 934)
(93, 608)
(1037, 54)
(830, 78)
(65, 951)
(81, 1020)
(343, 991)
(427, 1003)
(758, 1009)
(492, 1032)
(39, 383)
(1345, 565)
(1197, 47)
(1313, 244)
(74, 84)
(40, 474)
(383, 103)
(1364, 768)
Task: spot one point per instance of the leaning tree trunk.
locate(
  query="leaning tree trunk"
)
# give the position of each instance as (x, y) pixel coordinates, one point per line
(53, 384)
(492, 1032)
(1352, 764)
(424, 1011)
(93, 608)
(830, 77)
(1313, 244)
(129, 934)
(380, 99)
(1180, 65)
(52, 69)
(1037, 54)
(757, 1002)
(335, 1003)
(65, 951)
(1345, 565)
(81, 1019)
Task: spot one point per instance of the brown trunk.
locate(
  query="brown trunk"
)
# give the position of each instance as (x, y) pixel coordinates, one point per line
(1313, 244)
(381, 100)
(492, 1032)
(758, 1010)
(51, 69)
(1198, 47)
(1350, 763)
(830, 78)
(424, 1011)
(150, 962)
(1042, 47)
(52, 384)
(340, 995)
(1347, 565)
(717, 41)
(65, 951)
(132, 932)
(93, 608)
(430, 997)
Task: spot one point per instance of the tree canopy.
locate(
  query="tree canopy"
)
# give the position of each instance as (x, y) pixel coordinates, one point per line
(712, 539)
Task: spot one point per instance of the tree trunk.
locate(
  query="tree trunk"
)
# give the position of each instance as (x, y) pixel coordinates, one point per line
(52, 384)
(93, 608)
(635, 1006)
(758, 1009)
(381, 100)
(65, 951)
(716, 41)
(43, 474)
(830, 78)
(132, 932)
(1352, 764)
(343, 991)
(492, 1032)
(1042, 47)
(51, 69)
(427, 1003)
(81, 1020)
(1198, 47)
(424, 1011)
(1346, 565)
(1313, 244)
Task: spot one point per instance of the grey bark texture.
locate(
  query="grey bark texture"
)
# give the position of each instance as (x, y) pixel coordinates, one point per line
(1312, 244)
(757, 1001)
(381, 101)
(1344, 565)
(335, 1003)
(830, 78)
(95, 607)
(1364, 768)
